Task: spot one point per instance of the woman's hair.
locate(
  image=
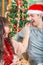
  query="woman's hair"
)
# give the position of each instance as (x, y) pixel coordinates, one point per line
(3, 22)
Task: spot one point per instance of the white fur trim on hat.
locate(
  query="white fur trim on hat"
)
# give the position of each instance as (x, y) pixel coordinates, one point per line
(34, 12)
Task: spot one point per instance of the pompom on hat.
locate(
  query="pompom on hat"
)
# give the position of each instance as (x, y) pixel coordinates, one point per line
(35, 9)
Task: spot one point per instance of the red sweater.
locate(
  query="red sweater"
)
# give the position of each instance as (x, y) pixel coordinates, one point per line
(8, 53)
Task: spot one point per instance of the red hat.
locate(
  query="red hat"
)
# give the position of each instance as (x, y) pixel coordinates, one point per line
(35, 9)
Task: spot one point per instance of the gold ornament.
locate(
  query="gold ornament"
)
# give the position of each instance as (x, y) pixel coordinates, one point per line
(9, 7)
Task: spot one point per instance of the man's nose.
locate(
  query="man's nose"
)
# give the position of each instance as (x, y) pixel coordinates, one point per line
(30, 18)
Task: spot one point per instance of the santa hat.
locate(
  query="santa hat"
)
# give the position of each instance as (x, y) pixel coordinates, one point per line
(35, 9)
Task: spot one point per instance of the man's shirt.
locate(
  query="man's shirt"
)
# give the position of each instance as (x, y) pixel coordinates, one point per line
(35, 46)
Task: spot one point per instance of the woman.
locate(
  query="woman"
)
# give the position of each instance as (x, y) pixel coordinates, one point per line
(6, 49)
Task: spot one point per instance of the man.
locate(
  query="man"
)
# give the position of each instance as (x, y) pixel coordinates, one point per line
(32, 35)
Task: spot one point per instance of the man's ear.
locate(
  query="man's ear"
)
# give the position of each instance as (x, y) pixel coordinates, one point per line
(42, 18)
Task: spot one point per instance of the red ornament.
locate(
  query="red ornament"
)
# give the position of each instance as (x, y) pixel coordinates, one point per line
(18, 29)
(23, 18)
(15, 26)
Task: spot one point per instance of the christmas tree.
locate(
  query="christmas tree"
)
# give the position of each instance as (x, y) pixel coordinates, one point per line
(16, 13)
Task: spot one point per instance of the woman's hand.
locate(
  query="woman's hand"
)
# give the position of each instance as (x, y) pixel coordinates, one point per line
(27, 28)
(12, 64)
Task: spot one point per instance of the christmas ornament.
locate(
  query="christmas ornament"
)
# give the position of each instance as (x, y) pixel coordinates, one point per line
(9, 7)
(14, 26)
(19, 29)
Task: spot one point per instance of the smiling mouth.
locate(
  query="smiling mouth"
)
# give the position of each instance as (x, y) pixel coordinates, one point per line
(32, 21)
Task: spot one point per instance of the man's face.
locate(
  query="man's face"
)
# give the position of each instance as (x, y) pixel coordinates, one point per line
(34, 19)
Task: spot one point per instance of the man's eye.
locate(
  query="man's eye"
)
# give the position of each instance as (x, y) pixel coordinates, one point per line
(31, 15)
